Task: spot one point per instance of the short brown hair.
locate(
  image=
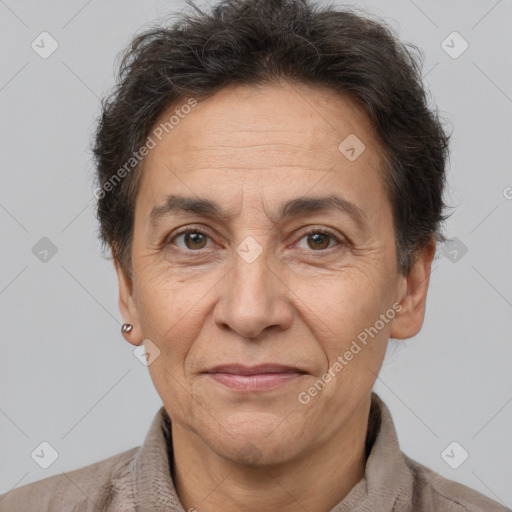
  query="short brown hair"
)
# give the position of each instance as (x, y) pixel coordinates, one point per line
(254, 42)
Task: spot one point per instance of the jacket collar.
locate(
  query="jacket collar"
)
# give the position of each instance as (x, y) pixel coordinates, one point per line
(151, 475)
(386, 486)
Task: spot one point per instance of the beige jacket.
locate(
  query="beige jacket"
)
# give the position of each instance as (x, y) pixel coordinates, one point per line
(139, 480)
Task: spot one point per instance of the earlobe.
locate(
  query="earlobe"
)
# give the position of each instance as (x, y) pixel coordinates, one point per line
(127, 307)
(414, 287)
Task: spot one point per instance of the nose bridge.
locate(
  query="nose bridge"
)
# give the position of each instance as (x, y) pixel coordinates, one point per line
(250, 288)
(251, 272)
(252, 296)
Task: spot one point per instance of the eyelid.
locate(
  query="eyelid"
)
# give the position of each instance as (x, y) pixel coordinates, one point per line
(183, 231)
(324, 231)
(341, 240)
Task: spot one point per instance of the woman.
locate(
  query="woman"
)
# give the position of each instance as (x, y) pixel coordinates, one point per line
(270, 186)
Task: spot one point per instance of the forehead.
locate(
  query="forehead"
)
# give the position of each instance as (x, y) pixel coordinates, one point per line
(296, 137)
(306, 118)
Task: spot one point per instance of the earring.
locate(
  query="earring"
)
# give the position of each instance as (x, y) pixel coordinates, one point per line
(126, 328)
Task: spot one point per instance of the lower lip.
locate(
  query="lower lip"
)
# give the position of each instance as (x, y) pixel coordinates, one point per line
(257, 382)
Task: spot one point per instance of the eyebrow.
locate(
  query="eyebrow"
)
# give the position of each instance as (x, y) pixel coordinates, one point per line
(293, 208)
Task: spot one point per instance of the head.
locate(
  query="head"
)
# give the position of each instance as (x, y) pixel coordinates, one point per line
(271, 183)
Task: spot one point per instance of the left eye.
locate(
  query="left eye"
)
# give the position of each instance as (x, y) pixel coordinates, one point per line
(318, 240)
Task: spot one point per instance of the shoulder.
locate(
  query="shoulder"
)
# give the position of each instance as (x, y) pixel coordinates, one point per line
(431, 491)
(91, 487)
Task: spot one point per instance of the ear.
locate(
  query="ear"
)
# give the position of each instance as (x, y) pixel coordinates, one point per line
(127, 306)
(413, 296)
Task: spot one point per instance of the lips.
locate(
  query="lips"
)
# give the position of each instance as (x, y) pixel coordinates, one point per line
(254, 378)
(237, 369)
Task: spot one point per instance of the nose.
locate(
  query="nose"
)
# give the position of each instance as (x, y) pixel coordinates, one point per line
(253, 298)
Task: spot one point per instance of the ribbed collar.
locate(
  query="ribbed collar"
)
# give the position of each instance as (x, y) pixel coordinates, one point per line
(386, 486)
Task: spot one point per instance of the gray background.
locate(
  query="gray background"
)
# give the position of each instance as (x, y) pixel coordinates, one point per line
(66, 374)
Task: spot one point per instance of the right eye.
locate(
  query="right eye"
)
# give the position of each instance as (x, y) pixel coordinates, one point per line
(192, 240)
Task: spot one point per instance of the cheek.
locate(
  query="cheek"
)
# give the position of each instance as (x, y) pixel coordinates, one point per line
(171, 314)
(340, 310)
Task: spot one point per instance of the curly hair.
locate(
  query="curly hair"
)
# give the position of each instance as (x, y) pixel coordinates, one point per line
(257, 42)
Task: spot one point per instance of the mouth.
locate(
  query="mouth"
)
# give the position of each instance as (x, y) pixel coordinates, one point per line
(254, 378)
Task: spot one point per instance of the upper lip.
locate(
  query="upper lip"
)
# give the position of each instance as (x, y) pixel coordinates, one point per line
(238, 369)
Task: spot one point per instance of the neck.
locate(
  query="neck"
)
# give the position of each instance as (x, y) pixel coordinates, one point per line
(316, 481)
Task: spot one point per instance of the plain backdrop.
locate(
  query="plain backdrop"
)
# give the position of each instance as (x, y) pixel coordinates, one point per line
(67, 376)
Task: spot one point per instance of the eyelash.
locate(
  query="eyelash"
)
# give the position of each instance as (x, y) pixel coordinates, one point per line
(307, 233)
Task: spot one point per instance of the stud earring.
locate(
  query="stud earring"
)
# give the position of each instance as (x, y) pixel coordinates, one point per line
(126, 328)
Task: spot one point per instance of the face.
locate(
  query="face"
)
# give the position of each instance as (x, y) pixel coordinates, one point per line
(250, 264)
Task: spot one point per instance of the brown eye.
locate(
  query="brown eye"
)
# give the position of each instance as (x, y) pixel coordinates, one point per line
(319, 240)
(316, 240)
(192, 240)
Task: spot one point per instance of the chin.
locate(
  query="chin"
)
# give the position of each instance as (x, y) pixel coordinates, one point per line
(254, 444)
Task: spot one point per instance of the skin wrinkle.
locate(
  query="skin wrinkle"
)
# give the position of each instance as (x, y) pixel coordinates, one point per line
(289, 305)
(178, 206)
(275, 166)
